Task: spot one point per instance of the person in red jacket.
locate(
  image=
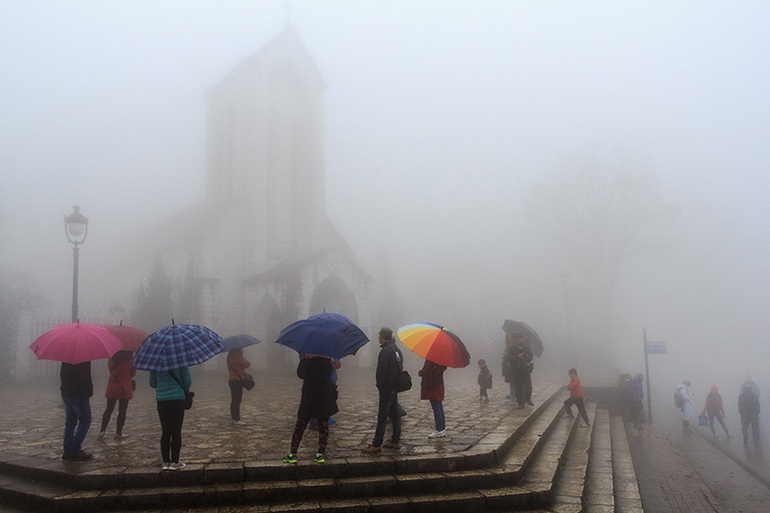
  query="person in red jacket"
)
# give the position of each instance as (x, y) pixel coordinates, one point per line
(576, 397)
(714, 408)
(120, 389)
(432, 389)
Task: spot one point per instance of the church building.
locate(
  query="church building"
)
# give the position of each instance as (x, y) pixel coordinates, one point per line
(258, 252)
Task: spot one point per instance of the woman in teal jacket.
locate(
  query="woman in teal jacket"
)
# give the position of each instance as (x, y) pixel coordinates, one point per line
(170, 394)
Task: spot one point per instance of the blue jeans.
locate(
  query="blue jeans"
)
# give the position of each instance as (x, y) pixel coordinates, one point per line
(388, 409)
(78, 420)
(438, 414)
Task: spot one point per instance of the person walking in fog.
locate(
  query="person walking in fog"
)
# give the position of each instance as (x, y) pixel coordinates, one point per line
(432, 389)
(748, 407)
(236, 368)
(713, 407)
(522, 371)
(484, 380)
(318, 401)
(635, 397)
(120, 390)
(76, 391)
(170, 390)
(685, 399)
(390, 363)
(508, 367)
(576, 397)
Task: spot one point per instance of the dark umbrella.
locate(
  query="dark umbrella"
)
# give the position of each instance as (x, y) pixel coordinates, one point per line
(325, 334)
(530, 336)
(177, 346)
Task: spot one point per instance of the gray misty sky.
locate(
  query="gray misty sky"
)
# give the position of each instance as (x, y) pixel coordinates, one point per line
(440, 116)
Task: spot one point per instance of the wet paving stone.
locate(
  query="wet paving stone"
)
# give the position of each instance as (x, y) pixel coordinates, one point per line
(208, 437)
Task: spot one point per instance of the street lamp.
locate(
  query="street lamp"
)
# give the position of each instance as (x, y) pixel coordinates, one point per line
(76, 229)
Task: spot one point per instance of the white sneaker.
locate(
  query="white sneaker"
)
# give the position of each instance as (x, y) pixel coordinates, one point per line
(238, 423)
(176, 466)
(165, 466)
(100, 436)
(438, 434)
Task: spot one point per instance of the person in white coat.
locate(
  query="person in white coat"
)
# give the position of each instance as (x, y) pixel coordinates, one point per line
(688, 410)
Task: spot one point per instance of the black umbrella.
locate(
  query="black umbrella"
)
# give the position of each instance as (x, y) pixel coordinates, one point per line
(530, 336)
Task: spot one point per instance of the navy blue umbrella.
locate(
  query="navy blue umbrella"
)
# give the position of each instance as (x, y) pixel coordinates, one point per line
(325, 334)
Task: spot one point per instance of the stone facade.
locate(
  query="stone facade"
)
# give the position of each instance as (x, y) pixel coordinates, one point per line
(258, 252)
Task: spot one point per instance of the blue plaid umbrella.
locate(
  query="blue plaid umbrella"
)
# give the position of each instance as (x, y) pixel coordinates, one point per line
(177, 346)
(239, 342)
(325, 334)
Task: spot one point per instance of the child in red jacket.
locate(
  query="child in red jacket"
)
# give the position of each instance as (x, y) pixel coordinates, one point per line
(575, 396)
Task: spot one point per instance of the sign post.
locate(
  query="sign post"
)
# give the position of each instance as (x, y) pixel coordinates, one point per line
(650, 348)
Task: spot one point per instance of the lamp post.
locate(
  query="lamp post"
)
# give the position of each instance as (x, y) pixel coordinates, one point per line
(76, 229)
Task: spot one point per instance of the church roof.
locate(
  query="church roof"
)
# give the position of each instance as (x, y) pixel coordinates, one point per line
(284, 46)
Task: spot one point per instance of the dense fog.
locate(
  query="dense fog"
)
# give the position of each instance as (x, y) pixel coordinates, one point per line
(593, 169)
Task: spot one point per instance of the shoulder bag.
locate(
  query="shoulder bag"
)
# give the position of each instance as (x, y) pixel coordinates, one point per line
(188, 395)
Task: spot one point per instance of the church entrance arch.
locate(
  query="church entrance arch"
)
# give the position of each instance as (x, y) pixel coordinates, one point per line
(333, 295)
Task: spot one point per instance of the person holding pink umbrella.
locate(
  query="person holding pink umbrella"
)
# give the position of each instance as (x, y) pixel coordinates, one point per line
(76, 391)
(75, 345)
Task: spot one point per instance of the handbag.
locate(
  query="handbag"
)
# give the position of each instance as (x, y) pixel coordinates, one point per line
(248, 382)
(403, 381)
(703, 420)
(188, 395)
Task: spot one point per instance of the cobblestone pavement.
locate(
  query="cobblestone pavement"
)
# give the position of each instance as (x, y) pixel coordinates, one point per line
(33, 419)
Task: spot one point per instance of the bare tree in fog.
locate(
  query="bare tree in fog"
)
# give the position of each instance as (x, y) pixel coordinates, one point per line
(600, 211)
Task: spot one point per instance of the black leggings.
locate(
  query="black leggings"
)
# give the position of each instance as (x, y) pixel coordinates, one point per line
(299, 430)
(122, 408)
(171, 415)
(577, 401)
(236, 396)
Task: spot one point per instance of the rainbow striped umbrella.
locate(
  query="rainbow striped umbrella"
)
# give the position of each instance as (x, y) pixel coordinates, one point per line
(435, 343)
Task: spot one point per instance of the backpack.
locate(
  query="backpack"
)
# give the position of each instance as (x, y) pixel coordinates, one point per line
(678, 401)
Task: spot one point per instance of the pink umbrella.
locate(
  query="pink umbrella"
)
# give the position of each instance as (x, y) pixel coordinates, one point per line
(76, 343)
(131, 337)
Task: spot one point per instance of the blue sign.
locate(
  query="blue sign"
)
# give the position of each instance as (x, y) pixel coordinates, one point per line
(656, 348)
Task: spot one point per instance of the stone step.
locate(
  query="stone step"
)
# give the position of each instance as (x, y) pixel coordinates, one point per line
(626, 488)
(570, 483)
(453, 484)
(599, 496)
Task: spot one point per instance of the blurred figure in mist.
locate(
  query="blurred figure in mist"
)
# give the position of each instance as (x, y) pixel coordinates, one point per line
(517, 369)
(509, 362)
(714, 408)
(750, 384)
(688, 410)
(748, 407)
(484, 380)
(634, 398)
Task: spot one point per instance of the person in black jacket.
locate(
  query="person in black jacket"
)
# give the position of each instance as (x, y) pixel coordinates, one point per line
(76, 391)
(390, 363)
(748, 407)
(318, 401)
